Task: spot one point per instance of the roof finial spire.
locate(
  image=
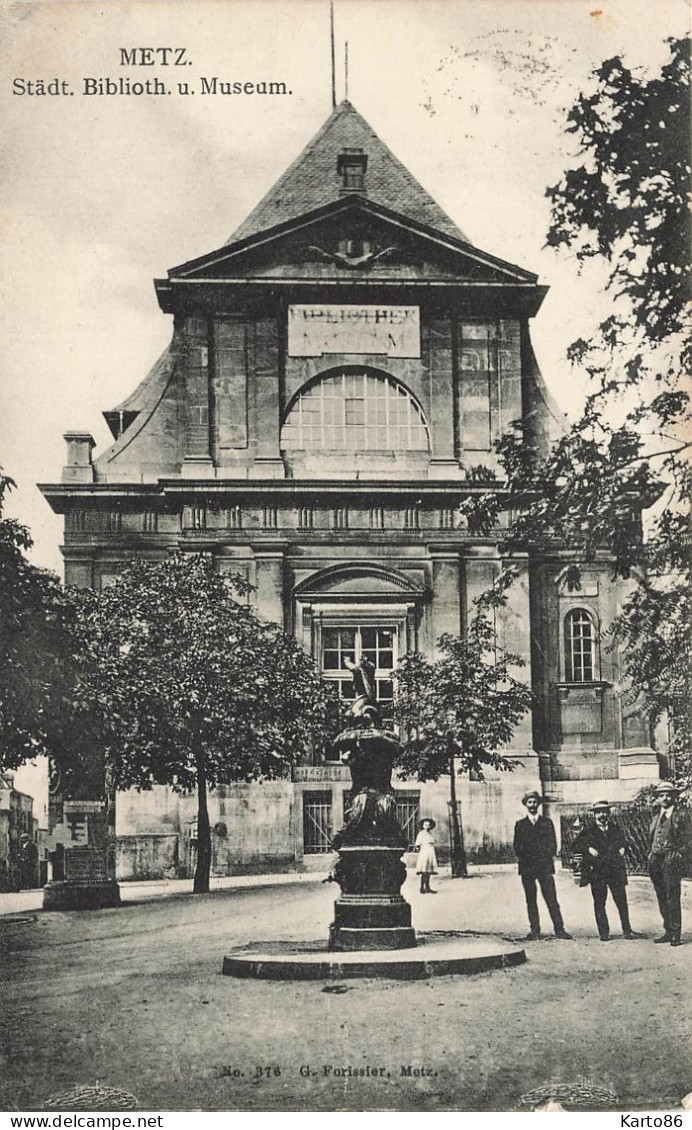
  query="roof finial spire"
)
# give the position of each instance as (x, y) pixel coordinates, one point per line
(346, 70)
(331, 36)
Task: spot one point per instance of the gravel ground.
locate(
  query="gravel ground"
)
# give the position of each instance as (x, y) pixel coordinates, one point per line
(134, 998)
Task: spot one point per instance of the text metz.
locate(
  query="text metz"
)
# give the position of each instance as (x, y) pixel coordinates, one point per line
(154, 56)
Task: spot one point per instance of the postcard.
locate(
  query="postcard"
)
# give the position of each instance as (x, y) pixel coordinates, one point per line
(278, 278)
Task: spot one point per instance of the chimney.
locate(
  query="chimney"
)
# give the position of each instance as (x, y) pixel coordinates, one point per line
(79, 467)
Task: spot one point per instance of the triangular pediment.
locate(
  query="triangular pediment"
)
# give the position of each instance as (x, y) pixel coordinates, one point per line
(353, 238)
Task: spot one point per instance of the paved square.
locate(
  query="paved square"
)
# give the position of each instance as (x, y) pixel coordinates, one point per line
(134, 998)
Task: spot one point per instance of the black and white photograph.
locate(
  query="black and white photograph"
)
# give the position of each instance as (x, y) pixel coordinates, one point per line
(345, 616)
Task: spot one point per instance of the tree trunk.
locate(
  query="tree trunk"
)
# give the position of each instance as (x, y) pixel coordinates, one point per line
(203, 868)
(458, 855)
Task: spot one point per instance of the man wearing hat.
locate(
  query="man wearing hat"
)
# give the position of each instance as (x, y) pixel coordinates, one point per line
(602, 846)
(535, 845)
(670, 843)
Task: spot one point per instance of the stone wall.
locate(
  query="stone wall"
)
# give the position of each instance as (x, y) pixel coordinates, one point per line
(253, 830)
(148, 855)
(259, 827)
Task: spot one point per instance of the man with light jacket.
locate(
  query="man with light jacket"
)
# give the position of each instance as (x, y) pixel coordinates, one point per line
(670, 849)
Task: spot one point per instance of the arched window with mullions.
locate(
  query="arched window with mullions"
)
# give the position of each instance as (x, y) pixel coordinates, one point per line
(580, 647)
(355, 410)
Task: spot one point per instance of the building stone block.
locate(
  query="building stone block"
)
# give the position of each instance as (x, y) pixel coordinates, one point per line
(79, 573)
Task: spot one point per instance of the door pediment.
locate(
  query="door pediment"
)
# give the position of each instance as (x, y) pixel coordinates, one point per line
(356, 580)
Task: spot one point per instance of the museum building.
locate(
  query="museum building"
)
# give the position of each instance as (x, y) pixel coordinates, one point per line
(338, 371)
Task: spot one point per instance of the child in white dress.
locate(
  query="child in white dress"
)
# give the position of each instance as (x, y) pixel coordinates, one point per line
(426, 864)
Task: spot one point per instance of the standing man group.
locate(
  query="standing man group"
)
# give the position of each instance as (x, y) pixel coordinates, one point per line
(602, 846)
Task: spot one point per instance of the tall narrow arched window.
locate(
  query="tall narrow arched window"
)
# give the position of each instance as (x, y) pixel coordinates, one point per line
(355, 410)
(580, 647)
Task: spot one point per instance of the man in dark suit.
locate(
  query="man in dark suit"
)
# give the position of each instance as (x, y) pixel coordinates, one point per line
(602, 847)
(670, 847)
(535, 845)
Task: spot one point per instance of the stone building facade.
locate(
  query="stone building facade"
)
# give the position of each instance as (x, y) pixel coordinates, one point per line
(18, 834)
(337, 373)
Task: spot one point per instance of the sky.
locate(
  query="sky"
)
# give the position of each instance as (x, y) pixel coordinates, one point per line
(100, 195)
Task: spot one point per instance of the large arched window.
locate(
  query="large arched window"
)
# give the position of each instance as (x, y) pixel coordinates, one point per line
(580, 647)
(355, 410)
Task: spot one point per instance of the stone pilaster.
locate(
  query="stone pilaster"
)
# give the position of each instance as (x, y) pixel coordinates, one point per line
(441, 370)
(269, 578)
(229, 415)
(197, 461)
(267, 408)
(512, 621)
(514, 635)
(446, 599)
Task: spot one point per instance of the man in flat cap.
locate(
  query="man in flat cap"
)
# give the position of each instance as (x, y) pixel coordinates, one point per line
(535, 845)
(602, 847)
(670, 845)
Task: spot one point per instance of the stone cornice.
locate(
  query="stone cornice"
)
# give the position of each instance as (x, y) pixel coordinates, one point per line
(63, 496)
(526, 297)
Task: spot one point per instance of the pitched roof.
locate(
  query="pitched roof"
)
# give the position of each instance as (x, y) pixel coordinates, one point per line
(313, 180)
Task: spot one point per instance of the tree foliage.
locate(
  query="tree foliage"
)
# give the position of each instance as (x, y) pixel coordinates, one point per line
(181, 684)
(36, 624)
(624, 203)
(458, 712)
(627, 201)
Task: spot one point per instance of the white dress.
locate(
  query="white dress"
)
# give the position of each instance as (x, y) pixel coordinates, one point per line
(426, 863)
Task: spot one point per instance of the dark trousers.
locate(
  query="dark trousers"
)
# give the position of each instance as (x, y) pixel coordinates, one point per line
(666, 878)
(599, 890)
(547, 885)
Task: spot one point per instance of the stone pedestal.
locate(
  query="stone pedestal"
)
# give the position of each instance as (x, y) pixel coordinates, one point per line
(81, 894)
(81, 879)
(371, 913)
(81, 847)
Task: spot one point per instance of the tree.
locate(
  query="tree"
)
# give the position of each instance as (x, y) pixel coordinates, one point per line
(624, 204)
(36, 623)
(183, 685)
(457, 713)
